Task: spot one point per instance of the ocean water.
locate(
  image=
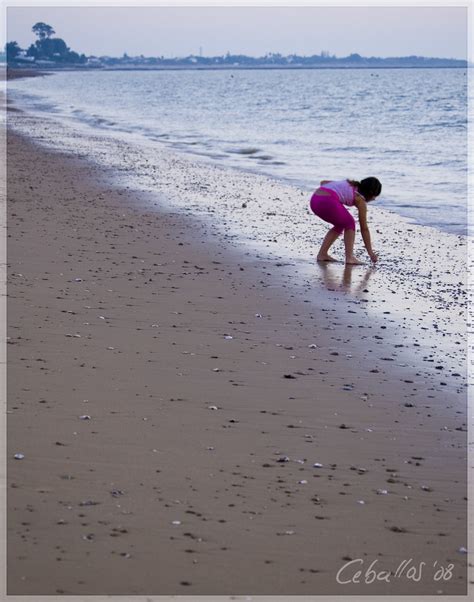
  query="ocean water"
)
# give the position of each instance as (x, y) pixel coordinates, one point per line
(406, 127)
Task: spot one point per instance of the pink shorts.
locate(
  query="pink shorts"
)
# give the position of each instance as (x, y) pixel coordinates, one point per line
(331, 210)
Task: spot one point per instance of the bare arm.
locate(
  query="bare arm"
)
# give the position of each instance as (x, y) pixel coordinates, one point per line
(361, 205)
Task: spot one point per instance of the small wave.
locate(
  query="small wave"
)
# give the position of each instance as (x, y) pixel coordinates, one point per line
(459, 124)
(452, 162)
(158, 136)
(346, 149)
(244, 151)
(261, 157)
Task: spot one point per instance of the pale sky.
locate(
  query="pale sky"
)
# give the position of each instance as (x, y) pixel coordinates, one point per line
(181, 31)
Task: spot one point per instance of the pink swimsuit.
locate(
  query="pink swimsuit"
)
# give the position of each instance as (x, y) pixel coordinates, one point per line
(330, 207)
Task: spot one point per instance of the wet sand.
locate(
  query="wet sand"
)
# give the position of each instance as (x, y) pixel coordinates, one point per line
(192, 425)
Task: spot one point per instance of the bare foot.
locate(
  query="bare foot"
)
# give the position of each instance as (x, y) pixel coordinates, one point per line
(353, 261)
(325, 258)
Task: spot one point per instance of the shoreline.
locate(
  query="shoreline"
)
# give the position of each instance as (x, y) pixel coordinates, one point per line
(23, 72)
(291, 382)
(16, 71)
(262, 160)
(431, 297)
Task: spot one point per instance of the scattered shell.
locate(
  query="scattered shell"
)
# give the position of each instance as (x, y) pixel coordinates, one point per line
(382, 492)
(303, 482)
(212, 408)
(360, 502)
(19, 456)
(85, 417)
(283, 459)
(285, 533)
(462, 550)
(317, 465)
(258, 315)
(396, 529)
(312, 346)
(176, 522)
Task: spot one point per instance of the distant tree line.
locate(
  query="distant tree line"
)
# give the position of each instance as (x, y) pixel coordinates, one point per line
(46, 48)
(324, 59)
(51, 50)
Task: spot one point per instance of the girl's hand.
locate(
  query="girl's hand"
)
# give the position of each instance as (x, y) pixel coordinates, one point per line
(373, 256)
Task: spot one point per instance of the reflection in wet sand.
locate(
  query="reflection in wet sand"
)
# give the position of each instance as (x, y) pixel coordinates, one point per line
(333, 280)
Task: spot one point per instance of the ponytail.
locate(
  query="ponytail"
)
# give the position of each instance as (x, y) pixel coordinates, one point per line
(354, 183)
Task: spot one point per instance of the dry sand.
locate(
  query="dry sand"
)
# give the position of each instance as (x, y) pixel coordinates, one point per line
(195, 473)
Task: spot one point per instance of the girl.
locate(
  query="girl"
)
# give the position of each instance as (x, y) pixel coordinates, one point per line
(328, 203)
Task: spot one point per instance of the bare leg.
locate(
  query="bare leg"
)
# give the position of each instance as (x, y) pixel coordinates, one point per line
(328, 241)
(349, 238)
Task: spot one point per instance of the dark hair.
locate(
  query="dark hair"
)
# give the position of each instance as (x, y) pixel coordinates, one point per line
(368, 187)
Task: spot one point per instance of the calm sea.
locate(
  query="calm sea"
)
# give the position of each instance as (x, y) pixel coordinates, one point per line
(408, 127)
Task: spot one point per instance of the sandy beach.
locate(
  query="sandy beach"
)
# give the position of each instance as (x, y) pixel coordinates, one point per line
(190, 421)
